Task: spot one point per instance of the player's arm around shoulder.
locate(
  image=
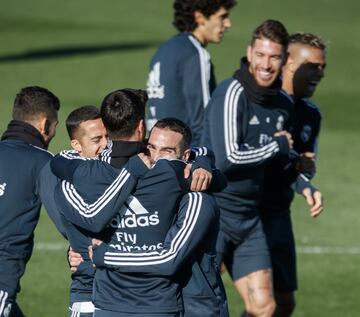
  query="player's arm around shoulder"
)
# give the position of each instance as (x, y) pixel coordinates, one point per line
(197, 214)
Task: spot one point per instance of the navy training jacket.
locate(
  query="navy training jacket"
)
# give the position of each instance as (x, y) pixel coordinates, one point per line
(180, 82)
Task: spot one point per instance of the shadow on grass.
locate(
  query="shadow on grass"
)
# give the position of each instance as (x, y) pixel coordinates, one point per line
(70, 51)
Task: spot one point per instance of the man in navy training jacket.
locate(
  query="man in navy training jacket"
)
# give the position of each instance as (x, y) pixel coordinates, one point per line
(88, 137)
(246, 125)
(301, 74)
(181, 77)
(23, 153)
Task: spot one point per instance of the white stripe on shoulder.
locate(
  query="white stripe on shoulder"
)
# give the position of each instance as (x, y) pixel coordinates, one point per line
(90, 210)
(106, 153)
(205, 69)
(39, 148)
(74, 155)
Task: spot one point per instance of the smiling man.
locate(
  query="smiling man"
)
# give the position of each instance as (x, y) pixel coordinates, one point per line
(88, 138)
(181, 77)
(301, 74)
(246, 125)
(86, 131)
(142, 224)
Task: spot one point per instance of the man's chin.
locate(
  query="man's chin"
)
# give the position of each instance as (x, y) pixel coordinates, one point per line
(264, 83)
(309, 92)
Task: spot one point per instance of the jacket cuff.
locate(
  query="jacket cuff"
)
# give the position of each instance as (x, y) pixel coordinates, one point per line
(301, 183)
(136, 167)
(99, 254)
(284, 148)
(202, 162)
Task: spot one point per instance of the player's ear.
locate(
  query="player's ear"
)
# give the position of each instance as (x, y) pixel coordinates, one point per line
(42, 125)
(186, 154)
(75, 144)
(47, 127)
(141, 130)
(286, 57)
(199, 17)
(248, 53)
(291, 64)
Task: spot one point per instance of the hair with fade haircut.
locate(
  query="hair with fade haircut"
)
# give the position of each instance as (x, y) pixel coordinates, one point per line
(79, 115)
(184, 19)
(122, 110)
(178, 126)
(33, 101)
(272, 30)
(310, 39)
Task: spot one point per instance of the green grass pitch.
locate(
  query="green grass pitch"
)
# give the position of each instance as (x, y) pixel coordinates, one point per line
(83, 49)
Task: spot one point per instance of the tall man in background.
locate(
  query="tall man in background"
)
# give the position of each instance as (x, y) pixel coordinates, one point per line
(23, 153)
(181, 76)
(245, 125)
(301, 74)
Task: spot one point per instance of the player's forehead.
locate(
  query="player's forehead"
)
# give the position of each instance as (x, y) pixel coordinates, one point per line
(221, 12)
(267, 47)
(91, 128)
(307, 53)
(163, 137)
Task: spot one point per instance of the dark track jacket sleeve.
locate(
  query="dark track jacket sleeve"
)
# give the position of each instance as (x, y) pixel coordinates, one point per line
(225, 129)
(64, 164)
(303, 180)
(195, 90)
(197, 212)
(98, 192)
(46, 187)
(203, 157)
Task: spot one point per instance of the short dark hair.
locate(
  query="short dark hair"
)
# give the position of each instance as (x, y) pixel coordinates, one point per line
(184, 10)
(178, 126)
(122, 110)
(310, 39)
(273, 30)
(33, 101)
(79, 115)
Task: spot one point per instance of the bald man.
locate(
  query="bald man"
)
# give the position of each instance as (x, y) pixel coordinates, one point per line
(301, 74)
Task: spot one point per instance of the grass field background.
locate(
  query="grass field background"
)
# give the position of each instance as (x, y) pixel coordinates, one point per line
(83, 49)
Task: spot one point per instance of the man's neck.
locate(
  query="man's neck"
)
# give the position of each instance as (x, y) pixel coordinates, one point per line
(199, 36)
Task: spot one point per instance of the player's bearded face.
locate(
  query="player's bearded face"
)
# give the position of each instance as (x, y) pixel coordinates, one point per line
(164, 143)
(265, 60)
